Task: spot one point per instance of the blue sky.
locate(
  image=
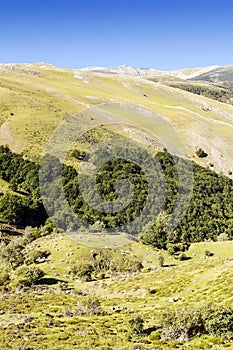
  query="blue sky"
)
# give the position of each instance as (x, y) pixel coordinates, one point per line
(160, 34)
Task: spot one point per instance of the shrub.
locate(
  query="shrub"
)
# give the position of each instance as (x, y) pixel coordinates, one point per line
(182, 324)
(136, 324)
(95, 264)
(4, 277)
(82, 271)
(161, 260)
(29, 275)
(208, 319)
(176, 249)
(36, 256)
(220, 321)
(90, 306)
(13, 253)
(155, 335)
(208, 253)
(201, 153)
(125, 263)
(182, 257)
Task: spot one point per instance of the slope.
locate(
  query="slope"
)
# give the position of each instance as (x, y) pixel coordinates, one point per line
(35, 99)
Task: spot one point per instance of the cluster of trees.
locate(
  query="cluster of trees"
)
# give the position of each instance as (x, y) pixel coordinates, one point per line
(216, 320)
(19, 264)
(222, 94)
(22, 205)
(184, 323)
(209, 214)
(97, 264)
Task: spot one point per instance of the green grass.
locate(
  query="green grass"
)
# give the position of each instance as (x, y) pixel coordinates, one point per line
(41, 98)
(38, 317)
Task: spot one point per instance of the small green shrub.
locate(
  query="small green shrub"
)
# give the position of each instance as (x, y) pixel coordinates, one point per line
(27, 276)
(156, 335)
(201, 153)
(136, 324)
(82, 271)
(161, 260)
(206, 319)
(36, 256)
(220, 321)
(176, 249)
(182, 257)
(13, 253)
(90, 306)
(94, 265)
(208, 253)
(4, 277)
(182, 324)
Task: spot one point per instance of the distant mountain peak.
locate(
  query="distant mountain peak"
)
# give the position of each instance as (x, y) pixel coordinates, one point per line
(123, 70)
(127, 70)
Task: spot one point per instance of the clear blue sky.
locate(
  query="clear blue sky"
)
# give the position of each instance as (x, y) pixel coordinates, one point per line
(163, 34)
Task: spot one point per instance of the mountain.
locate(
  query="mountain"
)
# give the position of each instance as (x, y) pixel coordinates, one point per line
(126, 70)
(219, 75)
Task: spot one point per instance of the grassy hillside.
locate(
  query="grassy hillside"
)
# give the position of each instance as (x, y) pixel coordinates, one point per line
(35, 99)
(50, 317)
(218, 75)
(223, 94)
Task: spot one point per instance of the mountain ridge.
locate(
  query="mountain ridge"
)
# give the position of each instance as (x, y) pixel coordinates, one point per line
(126, 69)
(185, 73)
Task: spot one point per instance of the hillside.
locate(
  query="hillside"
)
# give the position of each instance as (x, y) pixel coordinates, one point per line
(36, 98)
(219, 75)
(120, 276)
(65, 310)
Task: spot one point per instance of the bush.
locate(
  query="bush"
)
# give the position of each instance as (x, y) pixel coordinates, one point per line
(136, 324)
(36, 256)
(155, 335)
(96, 264)
(208, 319)
(90, 306)
(13, 253)
(83, 271)
(29, 275)
(182, 257)
(4, 278)
(220, 321)
(125, 263)
(176, 249)
(182, 324)
(201, 153)
(161, 260)
(208, 253)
